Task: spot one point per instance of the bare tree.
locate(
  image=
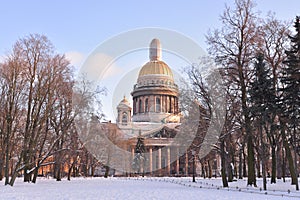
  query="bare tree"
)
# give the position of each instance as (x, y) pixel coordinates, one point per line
(30, 80)
(274, 41)
(11, 104)
(233, 46)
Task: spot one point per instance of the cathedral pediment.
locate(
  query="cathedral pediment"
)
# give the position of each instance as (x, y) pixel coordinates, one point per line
(164, 132)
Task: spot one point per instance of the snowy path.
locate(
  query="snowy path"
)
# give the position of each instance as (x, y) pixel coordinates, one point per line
(127, 188)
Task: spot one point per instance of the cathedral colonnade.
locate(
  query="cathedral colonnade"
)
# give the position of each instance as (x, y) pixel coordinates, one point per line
(164, 160)
(155, 103)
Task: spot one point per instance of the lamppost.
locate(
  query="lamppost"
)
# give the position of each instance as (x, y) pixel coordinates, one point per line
(193, 154)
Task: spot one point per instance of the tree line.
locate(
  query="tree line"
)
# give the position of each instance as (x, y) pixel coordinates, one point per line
(37, 117)
(259, 61)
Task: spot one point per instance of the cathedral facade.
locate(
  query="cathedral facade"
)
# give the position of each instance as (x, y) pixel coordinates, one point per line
(154, 116)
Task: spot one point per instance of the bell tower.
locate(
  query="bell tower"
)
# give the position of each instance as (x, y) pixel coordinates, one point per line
(124, 113)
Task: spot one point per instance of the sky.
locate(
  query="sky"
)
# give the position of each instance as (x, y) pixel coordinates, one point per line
(76, 28)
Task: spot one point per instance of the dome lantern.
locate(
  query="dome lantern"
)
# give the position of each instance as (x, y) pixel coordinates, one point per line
(155, 66)
(155, 50)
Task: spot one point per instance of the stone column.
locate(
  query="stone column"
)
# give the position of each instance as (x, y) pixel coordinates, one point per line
(177, 161)
(154, 103)
(168, 103)
(132, 157)
(168, 160)
(176, 105)
(138, 105)
(134, 106)
(132, 153)
(162, 99)
(159, 160)
(186, 163)
(142, 107)
(161, 103)
(172, 104)
(151, 104)
(147, 105)
(150, 160)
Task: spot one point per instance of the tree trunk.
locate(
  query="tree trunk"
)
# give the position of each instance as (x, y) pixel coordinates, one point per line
(263, 158)
(27, 176)
(241, 163)
(283, 165)
(15, 172)
(296, 161)
(274, 164)
(54, 170)
(203, 170)
(107, 168)
(244, 164)
(1, 166)
(69, 173)
(251, 162)
(35, 174)
(57, 167)
(235, 171)
(230, 172)
(279, 161)
(92, 171)
(230, 165)
(75, 172)
(209, 169)
(290, 160)
(206, 170)
(264, 174)
(58, 175)
(72, 167)
(6, 162)
(296, 169)
(223, 165)
(13, 179)
(258, 166)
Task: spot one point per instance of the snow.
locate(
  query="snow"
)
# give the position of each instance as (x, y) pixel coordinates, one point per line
(144, 188)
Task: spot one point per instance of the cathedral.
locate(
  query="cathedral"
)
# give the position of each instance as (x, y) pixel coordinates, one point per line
(155, 95)
(155, 117)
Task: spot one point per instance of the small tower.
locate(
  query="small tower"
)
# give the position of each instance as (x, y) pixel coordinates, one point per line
(124, 113)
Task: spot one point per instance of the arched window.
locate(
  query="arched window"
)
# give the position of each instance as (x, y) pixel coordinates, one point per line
(158, 104)
(124, 118)
(146, 105)
(140, 106)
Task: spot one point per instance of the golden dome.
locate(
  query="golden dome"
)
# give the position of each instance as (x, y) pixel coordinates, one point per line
(156, 67)
(124, 102)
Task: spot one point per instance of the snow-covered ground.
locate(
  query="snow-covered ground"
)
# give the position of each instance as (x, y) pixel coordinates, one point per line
(144, 188)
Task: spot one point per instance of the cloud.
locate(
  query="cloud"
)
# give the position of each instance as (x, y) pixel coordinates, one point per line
(75, 58)
(100, 65)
